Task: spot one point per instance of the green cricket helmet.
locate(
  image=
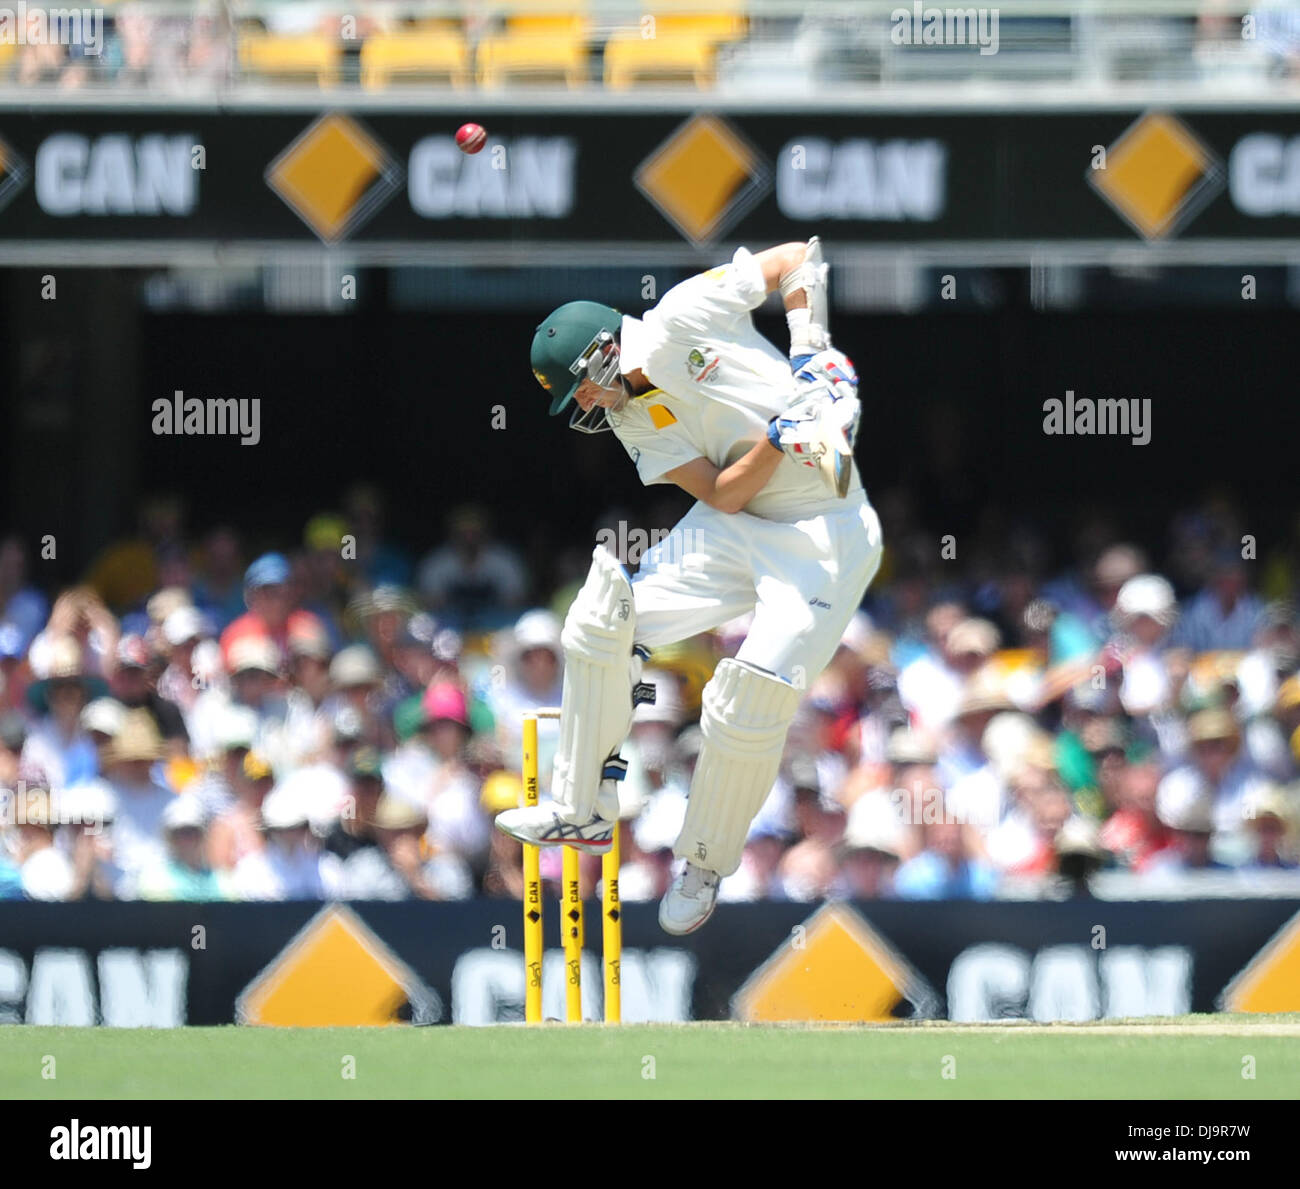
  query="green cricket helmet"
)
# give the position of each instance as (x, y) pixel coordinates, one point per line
(571, 346)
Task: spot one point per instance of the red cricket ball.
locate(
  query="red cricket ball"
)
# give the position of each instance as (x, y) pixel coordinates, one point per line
(470, 138)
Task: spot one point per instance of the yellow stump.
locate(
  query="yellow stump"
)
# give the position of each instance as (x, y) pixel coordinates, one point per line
(532, 888)
(571, 922)
(612, 939)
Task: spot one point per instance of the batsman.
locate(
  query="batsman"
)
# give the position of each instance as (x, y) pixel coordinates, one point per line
(781, 527)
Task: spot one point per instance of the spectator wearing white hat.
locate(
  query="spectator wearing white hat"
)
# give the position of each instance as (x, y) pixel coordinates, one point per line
(1191, 820)
(216, 787)
(531, 676)
(1271, 820)
(355, 679)
(183, 680)
(57, 744)
(255, 665)
(185, 874)
(1089, 593)
(869, 854)
(288, 867)
(102, 719)
(1144, 614)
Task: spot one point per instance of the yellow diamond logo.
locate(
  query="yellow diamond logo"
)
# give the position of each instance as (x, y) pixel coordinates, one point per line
(337, 973)
(835, 968)
(1271, 980)
(703, 178)
(335, 176)
(1158, 175)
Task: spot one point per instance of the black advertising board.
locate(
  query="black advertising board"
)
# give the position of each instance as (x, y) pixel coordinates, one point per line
(214, 176)
(170, 964)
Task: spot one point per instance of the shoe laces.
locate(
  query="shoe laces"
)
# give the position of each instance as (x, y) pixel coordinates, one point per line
(696, 880)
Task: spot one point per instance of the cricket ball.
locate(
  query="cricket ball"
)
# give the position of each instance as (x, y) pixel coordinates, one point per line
(470, 138)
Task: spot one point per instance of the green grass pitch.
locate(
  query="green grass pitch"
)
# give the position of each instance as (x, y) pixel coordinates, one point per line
(1195, 1057)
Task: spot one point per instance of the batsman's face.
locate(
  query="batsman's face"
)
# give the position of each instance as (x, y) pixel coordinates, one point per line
(603, 386)
(589, 394)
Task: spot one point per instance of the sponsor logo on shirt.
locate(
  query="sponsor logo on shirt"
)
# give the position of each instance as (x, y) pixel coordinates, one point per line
(825, 606)
(700, 366)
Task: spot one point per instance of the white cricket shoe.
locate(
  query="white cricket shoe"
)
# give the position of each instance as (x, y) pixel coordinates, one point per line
(541, 825)
(690, 901)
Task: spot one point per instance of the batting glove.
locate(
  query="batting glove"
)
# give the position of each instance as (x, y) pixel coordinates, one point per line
(798, 432)
(830, 367)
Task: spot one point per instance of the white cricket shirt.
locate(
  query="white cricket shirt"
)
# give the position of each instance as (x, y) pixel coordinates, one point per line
(718, 383)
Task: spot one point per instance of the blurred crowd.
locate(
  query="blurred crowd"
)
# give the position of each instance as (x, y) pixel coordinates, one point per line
(198, 719)
(173, 46)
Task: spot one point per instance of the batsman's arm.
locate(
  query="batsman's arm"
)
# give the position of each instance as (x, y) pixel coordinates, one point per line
(800, 273)
(728, 489)
(778, 265)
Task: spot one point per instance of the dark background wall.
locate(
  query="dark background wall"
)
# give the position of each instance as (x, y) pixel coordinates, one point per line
(953, 412)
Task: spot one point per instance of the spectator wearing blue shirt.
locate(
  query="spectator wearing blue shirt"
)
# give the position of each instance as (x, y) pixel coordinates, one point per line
(946, 868)
(1225, 615)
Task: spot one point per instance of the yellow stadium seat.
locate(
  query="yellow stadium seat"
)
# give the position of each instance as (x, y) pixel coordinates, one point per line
(629, 60)
(716, 27)
(411, 57)
(677, 44)
(290, 57)
(503, 58)
(537, 44)
(566, 24)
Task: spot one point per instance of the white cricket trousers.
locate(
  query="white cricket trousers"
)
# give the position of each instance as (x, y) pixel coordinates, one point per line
(802, 580)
